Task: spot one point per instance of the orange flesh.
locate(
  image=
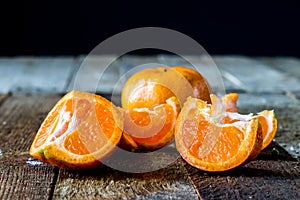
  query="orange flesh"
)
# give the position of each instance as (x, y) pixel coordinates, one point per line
(88, 132)
(51, 123)
(217, 138)
(73, 143)
(227, 143)
(155, 133)
(212, 140)
(225, 147)
(229, 102)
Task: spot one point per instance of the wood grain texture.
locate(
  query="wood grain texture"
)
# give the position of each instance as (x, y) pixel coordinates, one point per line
(288, 65)
(106, 183)
(253, 75)
(35, 74)
(22, 177)
(3, 97)
(288, 134)
(96, 73)
(21, 116)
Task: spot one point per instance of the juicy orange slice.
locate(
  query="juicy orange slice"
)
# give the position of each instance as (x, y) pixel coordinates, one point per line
(208, 142)
(79, 131)
(150, 128)
(266, 118)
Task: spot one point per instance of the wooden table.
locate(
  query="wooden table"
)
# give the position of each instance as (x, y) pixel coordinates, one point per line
(30, 86)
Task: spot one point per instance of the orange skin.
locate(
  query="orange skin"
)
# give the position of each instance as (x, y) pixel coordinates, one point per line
(200, 86)
(153, 86)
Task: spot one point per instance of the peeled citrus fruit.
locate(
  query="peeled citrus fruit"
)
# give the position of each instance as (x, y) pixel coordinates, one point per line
(215, 137)
(79, 131)
(209, 143)
(266, 118)
(151, 128)
(151, 99)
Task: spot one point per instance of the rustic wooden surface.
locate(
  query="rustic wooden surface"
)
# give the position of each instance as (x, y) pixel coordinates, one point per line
(20, 175)
(29, 87)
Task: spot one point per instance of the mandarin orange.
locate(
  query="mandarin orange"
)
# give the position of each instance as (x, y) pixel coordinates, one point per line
(209, 143)
(145, 95)
(80, 131)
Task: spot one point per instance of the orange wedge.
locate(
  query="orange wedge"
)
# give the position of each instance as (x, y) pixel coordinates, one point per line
(150, 128)
(266, 118)
(208, 142)
(80, 131)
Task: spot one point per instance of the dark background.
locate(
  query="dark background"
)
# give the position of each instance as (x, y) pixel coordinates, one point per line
(266, 28)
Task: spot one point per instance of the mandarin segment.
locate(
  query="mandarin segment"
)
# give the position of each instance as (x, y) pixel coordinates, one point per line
(215, 137)
(150, 128)
(210, 145)
(78, 132)
(267, 119)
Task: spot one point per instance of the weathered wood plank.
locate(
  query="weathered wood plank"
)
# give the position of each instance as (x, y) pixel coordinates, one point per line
(35, 74)
(131, 61)
(288, 65)
(97, 74)
(254, 75)
(22, 177)
(270, 176)
(21, 116)
(3, 97)
(105, 183)
(288, 134)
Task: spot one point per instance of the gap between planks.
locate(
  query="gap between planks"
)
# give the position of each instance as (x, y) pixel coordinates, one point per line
(3, 97)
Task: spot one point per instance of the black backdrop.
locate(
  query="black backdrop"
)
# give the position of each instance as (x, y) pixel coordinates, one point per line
(76, 27)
